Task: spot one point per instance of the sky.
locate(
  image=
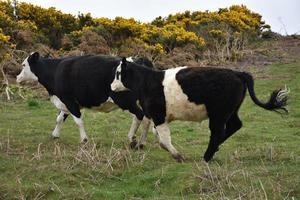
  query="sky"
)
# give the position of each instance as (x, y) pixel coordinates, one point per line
(283, 16)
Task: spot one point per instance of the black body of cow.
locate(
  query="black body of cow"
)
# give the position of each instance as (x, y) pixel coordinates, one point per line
(222, 91)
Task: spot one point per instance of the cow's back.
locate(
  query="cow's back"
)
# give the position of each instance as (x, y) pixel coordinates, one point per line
(216, 88)
(86, 79)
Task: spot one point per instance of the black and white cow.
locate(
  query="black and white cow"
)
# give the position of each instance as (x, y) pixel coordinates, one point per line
(83, 81)
(192, 94)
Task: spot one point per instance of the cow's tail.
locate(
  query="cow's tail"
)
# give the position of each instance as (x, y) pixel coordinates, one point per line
(278, 98)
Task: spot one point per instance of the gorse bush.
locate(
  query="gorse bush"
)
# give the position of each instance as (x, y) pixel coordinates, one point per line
(3, 38)
(219, 35)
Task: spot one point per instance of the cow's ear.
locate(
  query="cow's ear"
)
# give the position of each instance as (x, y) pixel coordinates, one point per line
(124, 62)
(34, 57)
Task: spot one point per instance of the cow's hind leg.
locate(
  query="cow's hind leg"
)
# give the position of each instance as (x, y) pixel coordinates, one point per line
(79, 123)
(62, 116)
(164, 135)
(217, 128)
(232, 125)
(76, 114)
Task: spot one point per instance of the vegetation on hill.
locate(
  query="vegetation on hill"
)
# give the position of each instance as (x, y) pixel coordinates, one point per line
(222, 34)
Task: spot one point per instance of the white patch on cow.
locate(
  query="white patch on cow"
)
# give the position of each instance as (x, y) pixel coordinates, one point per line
(139, 104)
(58, 103)
(26, 74)
(59, 123)
(117, 84)
(106, 107)
(178, 107)
(79, 122)
(129, 59)
(110, 100)
(164, 135)
(134, 127)
(61, 106)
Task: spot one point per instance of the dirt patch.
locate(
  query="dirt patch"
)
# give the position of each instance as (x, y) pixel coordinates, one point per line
(283, 50)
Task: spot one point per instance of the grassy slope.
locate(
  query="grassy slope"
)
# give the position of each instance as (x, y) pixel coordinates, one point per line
(260, 161)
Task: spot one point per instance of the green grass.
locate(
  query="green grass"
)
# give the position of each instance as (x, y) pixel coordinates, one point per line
(261, 161)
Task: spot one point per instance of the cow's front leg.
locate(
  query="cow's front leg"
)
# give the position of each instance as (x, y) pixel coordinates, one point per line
(145, 123)
(62, 116)
(79, 123)
(164, 135)
(131, 134)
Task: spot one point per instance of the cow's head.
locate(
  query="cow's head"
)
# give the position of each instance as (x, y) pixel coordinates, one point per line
(120, 75)
(27, 73)
(143, 61)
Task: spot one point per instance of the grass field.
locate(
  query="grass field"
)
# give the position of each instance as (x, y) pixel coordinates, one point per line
(261, 161)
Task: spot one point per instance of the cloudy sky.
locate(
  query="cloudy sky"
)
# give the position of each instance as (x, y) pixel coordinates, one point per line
(283, 16)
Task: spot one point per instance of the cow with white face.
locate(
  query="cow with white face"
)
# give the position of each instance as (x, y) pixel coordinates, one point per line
(83, 82)
(192, 94)
(117, 84)
(26, 73)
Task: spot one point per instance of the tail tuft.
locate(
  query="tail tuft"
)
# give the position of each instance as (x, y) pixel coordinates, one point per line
(278, 100)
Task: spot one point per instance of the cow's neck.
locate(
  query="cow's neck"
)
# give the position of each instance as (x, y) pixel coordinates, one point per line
(45, 71)
(147, 80)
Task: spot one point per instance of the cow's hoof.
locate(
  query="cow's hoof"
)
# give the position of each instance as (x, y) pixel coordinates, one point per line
(179, 158)
(133, 144)
(84, 140)
(54, 137)
(163, 147)
(139, 147)
(207, 158)
(209, 155)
